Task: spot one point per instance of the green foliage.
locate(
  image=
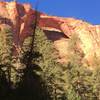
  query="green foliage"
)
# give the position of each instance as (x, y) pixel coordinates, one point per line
(53, 73)
(6, 42)
(6, 54)
(83, 82)
(42, 75)
(73, 81)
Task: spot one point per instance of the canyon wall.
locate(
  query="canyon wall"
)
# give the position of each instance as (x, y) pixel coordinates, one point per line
(21, 18)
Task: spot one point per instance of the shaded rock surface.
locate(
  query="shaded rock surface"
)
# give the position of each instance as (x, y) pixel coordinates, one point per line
(58, 29)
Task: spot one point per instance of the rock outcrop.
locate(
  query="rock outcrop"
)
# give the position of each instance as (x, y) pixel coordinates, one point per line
(21, 18)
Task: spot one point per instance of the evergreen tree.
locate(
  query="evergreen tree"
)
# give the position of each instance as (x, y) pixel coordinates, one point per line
(6, 41)
(6, 55)
(6, 47)
(52, 73)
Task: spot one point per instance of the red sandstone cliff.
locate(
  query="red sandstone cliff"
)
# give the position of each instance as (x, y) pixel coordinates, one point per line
(21, 17)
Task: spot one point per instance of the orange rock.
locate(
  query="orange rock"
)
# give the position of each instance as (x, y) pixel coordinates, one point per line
(21, 18)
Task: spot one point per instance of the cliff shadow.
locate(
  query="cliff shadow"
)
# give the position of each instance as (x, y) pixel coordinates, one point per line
(53, 35)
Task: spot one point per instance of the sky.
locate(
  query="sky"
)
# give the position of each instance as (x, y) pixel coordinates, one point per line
(87, 10)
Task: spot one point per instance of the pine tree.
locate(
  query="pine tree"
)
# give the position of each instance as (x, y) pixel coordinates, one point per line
(52, 73)
(6, 54)
(6, 41)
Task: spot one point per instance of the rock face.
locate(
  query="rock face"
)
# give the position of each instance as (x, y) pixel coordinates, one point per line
(58, 29)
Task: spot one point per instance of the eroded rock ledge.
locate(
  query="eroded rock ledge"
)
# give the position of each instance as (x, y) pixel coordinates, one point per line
(21, 17)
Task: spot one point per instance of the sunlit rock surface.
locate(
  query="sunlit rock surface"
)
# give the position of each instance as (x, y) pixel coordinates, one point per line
(21, 18)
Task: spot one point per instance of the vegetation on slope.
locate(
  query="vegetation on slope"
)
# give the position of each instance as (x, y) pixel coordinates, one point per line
(42, 78)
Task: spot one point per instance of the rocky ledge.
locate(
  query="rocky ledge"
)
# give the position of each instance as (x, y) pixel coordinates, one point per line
(58, 29)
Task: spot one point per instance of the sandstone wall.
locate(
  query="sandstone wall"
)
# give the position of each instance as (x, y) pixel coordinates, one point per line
(21, 18)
